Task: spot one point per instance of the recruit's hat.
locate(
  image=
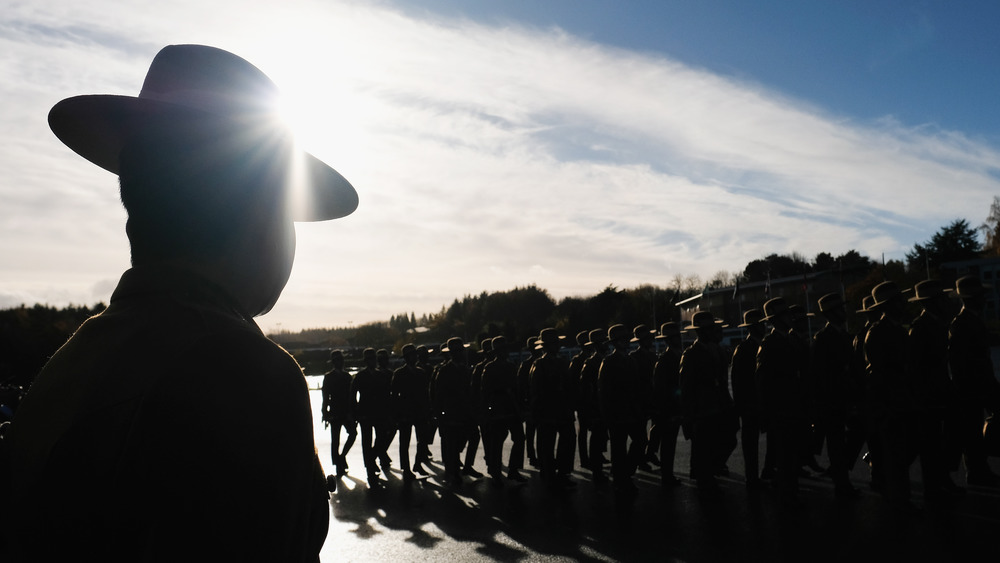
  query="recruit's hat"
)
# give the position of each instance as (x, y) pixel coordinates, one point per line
(774, 307)
(454, 343)
(866, 304)
(618, 332)
(752, 317)
(549, 336)
(669, 329)
(970, 286)
(196, 84)
(830, 302)
(884, 293)
(704, 319)
(408, 349)
(642, 333)
(598, 336)
(928, 289)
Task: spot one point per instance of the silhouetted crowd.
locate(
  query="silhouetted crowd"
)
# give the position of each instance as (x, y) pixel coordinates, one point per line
(908, 389)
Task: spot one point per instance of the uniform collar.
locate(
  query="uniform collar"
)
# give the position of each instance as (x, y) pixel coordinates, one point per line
(179, 283)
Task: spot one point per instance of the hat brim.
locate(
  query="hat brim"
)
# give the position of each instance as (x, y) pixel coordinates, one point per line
(97, 127)
(718, 322)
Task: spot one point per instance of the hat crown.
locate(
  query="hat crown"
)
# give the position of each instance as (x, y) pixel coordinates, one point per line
(618, 332)
(774, 307)
(209, 79)
(702, 319)
(883, 292)
(752, 317)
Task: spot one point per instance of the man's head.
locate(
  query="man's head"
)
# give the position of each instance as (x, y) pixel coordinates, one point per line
(455, 348)
(206, 170)
(550, 341)
(931, 296)
(368, 357)
(337, 359)
(409, 353)
(777, 313)
(643, 336)
(670, 334)
(619, 336)
(972, 292)
(831, 306)
(707, 327)
(753, 321)
(888, 300)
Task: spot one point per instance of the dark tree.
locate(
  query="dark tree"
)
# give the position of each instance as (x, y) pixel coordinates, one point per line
(953, 242)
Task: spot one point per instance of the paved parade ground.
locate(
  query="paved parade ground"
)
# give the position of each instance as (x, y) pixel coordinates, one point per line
(425, 521)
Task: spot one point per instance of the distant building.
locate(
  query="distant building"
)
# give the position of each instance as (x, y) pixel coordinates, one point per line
(729, 303)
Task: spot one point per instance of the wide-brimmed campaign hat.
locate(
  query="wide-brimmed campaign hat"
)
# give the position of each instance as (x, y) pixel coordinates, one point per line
(752, 317)
(668, 329)
(547, 337)
(198, 84)
(928, 289)
(642, 333)
(884, 293)
(597, 336)
(704, 319)
(454, 343)
(970, 286)
(774, 307)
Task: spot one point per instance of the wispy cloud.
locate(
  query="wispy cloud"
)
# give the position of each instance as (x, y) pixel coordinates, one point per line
(486, 157)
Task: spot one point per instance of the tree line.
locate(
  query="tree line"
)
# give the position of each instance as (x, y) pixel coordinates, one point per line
(30, 335)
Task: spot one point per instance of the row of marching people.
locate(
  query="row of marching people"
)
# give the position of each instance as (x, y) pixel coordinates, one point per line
(907, 391)
(907, 388)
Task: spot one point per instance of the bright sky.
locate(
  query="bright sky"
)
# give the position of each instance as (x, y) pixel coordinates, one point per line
(571, 144)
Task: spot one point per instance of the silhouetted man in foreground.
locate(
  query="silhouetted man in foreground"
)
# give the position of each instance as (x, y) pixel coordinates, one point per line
(169, 427)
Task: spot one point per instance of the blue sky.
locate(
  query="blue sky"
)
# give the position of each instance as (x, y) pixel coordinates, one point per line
(568, 144)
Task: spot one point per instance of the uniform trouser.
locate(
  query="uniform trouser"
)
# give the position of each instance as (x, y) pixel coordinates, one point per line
(406, 429)
(834, 426)
(655, 435)
(581, 439)
(711, 445)
(669, 427)
(968, 425)
(529, 439)
(472, 438)
(750, 442)
(352, 434)
(451, 446)
(496, 434)
(549, 458)
(894, 454)
(783, 436)
(932, 449)
(627, 448)
(597, 443)
(384, 433)
(368, 448)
